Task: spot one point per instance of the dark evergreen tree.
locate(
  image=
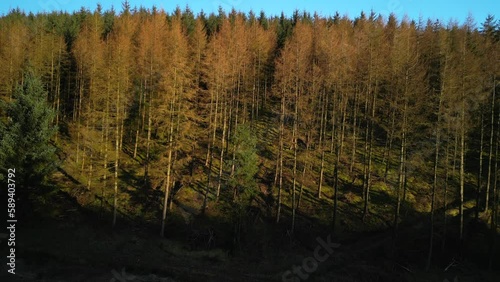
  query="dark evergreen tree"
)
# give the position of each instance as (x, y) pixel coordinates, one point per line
(26, 133)
(243, 180)
(246, 164)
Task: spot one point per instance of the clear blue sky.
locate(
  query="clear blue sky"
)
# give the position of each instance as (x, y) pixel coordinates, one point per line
(435, 9)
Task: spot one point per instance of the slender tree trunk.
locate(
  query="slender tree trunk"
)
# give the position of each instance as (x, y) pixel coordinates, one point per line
(321, 172)
(148, 140)
(494, 212)
(324, 117)
(333, 114)
(122, 125)
(344, 117)
(434, 183)
(222, 149)
(144, 102)
(405, 132)
(365, 150)
(210, 155)
(455, 151)
(488, 181)
(276, 171)
(282, 132)
(389, 148)
(370, 153)
(104, 177)
(401, 178)
(354, 127)
(150, 105)
(480, 173)
(175, 143)
(207, 190)
(294, 171)
(336, 185)
(233, 162)
(462, 168)
(445, 199)
(117, 153)
(253, 113)
(302, 184)
(79, 116)
(106, 136)
(210, 124)
(294, 182)
(58, 101)
(399, 187)
(136, 143)
(169, 158)
(167, 181)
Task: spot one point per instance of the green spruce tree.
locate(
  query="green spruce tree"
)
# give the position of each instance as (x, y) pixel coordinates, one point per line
(242, 180)
(246, 165)
(25, 134)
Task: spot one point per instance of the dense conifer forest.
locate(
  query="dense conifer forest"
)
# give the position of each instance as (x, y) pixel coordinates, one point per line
(224, 147)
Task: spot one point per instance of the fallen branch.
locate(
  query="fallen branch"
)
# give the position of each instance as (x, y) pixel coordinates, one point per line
(453, 263)
(405, 268)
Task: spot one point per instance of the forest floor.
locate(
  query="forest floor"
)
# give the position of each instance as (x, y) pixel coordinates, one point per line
(63, 241)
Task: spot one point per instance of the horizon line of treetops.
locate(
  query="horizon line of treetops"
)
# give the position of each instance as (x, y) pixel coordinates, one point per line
(297, 14)
(337, 95)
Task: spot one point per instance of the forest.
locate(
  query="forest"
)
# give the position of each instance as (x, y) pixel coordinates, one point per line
(222, 146)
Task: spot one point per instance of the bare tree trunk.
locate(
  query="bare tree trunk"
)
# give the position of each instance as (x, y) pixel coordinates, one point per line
(462, 168)
(167, 181)
(117, 153)
(493, 228)
(480, 173)
(336, 185)
(115, 198)
(323, 119)
(58, 98)
(344, 116)
(365, 150)
(370, 153)
(488, 182)
(276, 171)
(321, 172)
(207, 190)
(122, 125)
(148, 140)
(389, 146)
(222, 149)
(79, 116)
(211, 144)
(211, 124)
(434, 183)
(302, 184)
(494, 212)
(106, 136)
(354, 127)
(445, 203)
(136, 143)
(294, 171)
(455, 151)
(401, 178)
(169, 158)
(236, 114)
(333, 114)
(89, 180)
(282, 132)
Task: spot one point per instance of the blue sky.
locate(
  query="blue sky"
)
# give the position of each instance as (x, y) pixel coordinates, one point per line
(434, 9)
